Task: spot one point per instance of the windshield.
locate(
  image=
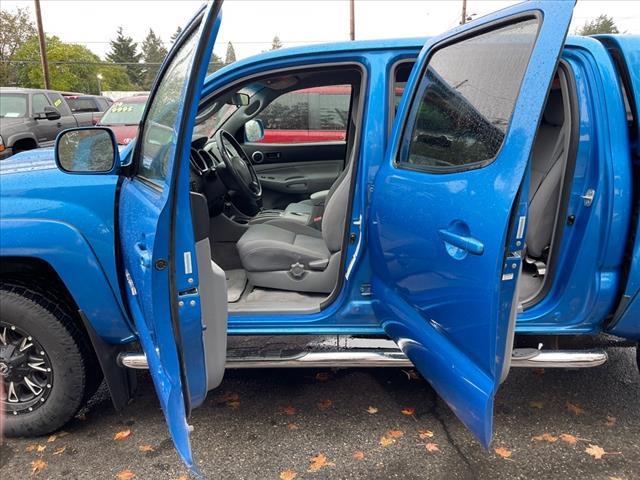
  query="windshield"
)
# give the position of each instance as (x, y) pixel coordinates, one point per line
(122, 113)
(13, 105)
(209, 121)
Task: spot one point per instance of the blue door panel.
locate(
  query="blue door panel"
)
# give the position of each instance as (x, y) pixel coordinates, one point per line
(444, 277)
(156, 233)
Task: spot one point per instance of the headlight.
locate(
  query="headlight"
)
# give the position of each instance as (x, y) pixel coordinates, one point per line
(1, 144)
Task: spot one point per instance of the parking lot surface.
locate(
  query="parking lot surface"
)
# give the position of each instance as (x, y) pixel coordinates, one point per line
(357, 424)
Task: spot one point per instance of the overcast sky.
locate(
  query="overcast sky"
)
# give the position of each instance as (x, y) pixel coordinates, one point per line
(251, 24)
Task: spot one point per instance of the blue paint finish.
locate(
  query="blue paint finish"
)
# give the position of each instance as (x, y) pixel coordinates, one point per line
(66, 221)
(449, 312)
(587, 278)
(156, 224)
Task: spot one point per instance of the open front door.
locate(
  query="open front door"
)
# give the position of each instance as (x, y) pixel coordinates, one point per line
(448, 214)
(158, 251)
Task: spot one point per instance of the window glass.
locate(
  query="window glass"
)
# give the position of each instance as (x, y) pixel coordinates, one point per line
(318, 114)
(160, 129)
(39, 101)
(13, 105)
(400, 77)
(466, 99)
(123, 113)
(82, 104)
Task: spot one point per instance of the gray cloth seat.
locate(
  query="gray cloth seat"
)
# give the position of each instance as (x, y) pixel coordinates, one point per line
(288, 255)
(547, 171)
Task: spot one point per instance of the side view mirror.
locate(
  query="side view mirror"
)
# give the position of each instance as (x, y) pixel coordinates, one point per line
(253, 131)
(87, 150)
(51, 113)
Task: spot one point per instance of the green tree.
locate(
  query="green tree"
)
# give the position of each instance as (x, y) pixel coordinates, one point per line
(73, 68)
(125, 51)
(176, 34)
(602, 24)
(231, 54)
(15, 29)
(276, 43)
(153, 53)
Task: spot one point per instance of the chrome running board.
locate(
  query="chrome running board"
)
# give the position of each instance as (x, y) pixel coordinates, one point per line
(528, 358)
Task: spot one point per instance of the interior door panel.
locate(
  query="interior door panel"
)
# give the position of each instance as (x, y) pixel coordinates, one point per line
(292, 172)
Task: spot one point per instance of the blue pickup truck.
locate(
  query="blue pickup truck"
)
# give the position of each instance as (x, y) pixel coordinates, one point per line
(480, 214)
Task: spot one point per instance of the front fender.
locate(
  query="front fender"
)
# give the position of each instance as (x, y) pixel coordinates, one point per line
(11, 140)
(65, 249)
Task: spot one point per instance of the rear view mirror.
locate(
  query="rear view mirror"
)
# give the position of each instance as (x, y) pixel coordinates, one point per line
(253, 131)
(239, 100)
(87, 150)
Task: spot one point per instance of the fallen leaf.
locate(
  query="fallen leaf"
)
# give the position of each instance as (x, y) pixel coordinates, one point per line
(325, 404)
(432, 447)
(318, 462)
(183, 477)
(41, 448)
(30, 448)
(125, 475)
(537, 371)
(616, 478)
(536, 404)
(235, 404)
(56, 436)
(395, 433)
(575, 408)
(289, 411)
(323, 376)
(595, 451)
(124, 434)
(288, 475)
(568, 438)
(408, 411)
(372, 410)
(502, 452)
(424, 434)
(411, 374)
(545, 437)
(611, 421)
(82, 417)
(146, 448)
(359, 455)
(230, 397)
(59, 451)
(37, 466)
(386, 441)
(293, 426)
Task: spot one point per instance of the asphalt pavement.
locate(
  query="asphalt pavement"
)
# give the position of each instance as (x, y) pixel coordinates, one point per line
(357, 424)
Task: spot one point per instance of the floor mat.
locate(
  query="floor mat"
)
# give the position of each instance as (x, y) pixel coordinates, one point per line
(267, 300)
(236, 281)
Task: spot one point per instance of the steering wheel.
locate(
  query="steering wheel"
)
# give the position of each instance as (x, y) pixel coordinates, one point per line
(238, 174)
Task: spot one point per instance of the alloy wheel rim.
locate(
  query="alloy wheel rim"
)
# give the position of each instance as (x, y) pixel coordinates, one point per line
(25, 369)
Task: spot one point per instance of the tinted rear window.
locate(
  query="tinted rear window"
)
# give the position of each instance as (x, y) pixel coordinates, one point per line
(466, 98)
(122, 113)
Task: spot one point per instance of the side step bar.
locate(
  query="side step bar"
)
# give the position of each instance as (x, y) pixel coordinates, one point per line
(529, 358)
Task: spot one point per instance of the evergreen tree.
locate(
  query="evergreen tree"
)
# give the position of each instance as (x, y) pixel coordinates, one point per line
(176, 34)
(125, 50)
(602, 24)
(153, 53)
(231, 54)
(276, 43)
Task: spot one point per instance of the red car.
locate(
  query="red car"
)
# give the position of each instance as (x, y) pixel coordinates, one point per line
(124, 118)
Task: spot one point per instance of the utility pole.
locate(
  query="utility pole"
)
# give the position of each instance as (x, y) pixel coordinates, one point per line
(43, 47)
(464, 12)
(352, 19)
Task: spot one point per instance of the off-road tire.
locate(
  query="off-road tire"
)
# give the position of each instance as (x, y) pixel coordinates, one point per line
(66, 346)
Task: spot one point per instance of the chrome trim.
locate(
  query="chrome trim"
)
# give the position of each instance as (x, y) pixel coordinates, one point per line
(561, 359)
(387, 358)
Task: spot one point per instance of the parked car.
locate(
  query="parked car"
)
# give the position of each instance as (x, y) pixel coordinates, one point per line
(91, 106)
(123, 118)
(32, 118)
(494, 210)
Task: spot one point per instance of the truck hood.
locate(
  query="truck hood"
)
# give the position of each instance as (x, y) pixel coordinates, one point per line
(29, 161)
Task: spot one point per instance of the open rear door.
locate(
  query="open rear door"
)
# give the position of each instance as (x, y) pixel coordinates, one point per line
(448, 215)
(168, 289)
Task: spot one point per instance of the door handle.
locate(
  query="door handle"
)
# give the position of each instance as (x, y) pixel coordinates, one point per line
(464, 242)
(144, 254)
